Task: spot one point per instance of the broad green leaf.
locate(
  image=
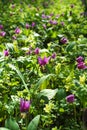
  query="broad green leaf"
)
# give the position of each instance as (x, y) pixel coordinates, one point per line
(1, 70)
(15, 43)
(11, 124)
(1, 59)
(36, 34)
(44, 50)
(10, 46)
(61, 94)
(43, 82)
(19, 74)
(49, 93)
(33, 125)
(2, 128)
(70, 46)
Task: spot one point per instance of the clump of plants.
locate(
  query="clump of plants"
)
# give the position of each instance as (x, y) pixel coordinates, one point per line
(43, 65)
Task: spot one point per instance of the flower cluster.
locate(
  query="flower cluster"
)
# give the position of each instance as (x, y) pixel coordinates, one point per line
(80, 63)
(41, 61)
(53, 22)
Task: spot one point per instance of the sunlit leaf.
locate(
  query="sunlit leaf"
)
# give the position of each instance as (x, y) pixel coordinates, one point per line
(43, 80)
(33, 125)
(70, 46)
(19, 74)
(11, 124)
(49, 93)
(2, 128)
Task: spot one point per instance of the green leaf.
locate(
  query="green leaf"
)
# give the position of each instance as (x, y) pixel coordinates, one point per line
(34, 123)
(20, 75)
(11, 124)
(44, 50)
(3, 128)
(43, 82)
(10, 46)
(1, 59)
(70, 46)
(36, 34)
(61, 94)
(49, 93)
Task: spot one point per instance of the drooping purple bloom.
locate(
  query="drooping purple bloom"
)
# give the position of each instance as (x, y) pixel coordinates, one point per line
(37, 51)
(62, 23)
(46, 60)
(57, 16)
(53, 55)
(29, 52)
(81, 65)
(1, 27)
(63, 40)
(17, 30)
(14, 37)
(70, 98)
(2, 33)
(6, 52)
(27, 26)
(43, 61)
(44, 26)
(12, 6)
(51, 14)
(24, 105)
(48, 16)
(33, 24)
(79, 59)
(44, 16)
(53, 22)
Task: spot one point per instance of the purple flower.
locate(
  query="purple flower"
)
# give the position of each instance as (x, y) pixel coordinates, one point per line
(44, 16)
(79, 59)
(57, 16)
(33, 24)
(62, 23)
(51, 14)
(14, 37)
(81, 65)
(24, 105)
(37, 51)
(53, 22)
(6, 52)
(29, 52)
(1, 27)
(17, 30)
(27, 26)
(63, 40)
(43, 61)
(53, 55)
(2, 33)
(48, 16)
(13, 6)
(70, 98)
(44, 26)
